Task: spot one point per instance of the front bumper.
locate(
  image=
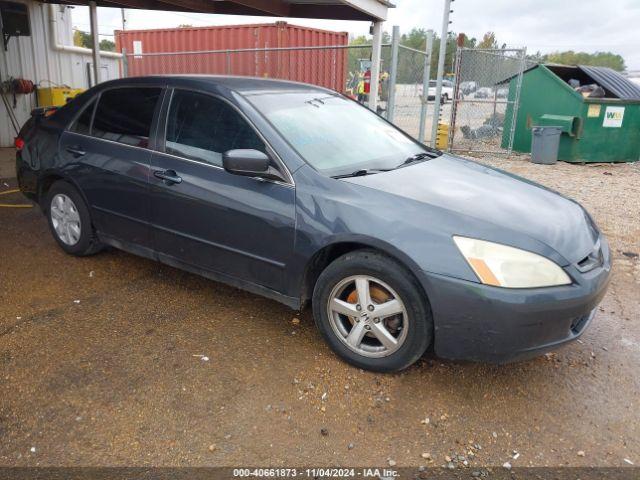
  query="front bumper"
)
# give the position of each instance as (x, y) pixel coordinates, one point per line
(483, 323)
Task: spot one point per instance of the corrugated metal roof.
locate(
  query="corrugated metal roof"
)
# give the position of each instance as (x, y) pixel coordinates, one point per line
(367, 10)
(613, 81)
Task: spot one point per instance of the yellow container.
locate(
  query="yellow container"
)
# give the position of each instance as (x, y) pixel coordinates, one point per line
(56, 96)
(442, 138)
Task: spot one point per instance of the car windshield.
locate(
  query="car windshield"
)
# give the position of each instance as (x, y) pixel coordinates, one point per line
(335, 135)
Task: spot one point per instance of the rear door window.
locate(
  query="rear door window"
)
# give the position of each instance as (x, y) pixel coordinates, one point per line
(82, 124)
(125, 115)
(202, 128)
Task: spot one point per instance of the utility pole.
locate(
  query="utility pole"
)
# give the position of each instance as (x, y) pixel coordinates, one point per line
(376, 53)
(393, 72)
(426, 78)
(93, 20)
(442, 54)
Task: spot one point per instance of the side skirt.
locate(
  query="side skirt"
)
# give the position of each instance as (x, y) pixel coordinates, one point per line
(254, 288)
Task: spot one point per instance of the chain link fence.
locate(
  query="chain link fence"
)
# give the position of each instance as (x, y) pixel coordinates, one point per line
(410, 99)
(487, 83)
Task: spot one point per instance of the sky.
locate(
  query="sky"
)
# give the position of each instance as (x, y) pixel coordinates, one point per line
(538, 25)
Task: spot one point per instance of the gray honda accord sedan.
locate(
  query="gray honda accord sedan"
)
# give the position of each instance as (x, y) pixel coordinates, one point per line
(299, 194)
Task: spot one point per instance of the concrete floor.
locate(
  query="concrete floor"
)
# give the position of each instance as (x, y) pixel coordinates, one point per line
(7, 164)
(101, 364)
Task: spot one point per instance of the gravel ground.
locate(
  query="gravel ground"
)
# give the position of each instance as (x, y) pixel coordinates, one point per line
(116, 360)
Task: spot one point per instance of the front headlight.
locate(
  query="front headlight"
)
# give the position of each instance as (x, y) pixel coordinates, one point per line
(510, 267)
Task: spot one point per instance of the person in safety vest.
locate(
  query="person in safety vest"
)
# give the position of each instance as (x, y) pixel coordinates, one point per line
(364, 87)
(351, 90)
(384, 92)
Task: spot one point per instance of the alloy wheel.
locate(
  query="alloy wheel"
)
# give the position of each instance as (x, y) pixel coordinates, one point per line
(368, 316)
(65, 219)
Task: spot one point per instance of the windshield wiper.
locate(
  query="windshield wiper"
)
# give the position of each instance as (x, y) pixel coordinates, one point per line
(361, 172)
(418, 157)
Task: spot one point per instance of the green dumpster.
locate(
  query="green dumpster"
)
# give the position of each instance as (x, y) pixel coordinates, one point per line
(605, 129)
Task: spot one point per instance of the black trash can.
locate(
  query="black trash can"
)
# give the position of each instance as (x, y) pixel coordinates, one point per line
(545, 142)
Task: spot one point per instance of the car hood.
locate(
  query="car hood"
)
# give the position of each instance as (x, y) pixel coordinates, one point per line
(494, 196)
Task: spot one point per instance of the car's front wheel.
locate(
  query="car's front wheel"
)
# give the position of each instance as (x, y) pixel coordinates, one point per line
(372, 312)
(69, 220)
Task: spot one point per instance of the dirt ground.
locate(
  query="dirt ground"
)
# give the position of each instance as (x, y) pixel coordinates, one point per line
(117, 360)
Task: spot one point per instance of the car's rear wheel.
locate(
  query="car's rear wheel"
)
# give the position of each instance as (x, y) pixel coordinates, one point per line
(69, 220)
(372, 312)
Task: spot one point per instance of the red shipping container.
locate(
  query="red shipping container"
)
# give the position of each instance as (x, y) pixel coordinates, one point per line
(326, 67)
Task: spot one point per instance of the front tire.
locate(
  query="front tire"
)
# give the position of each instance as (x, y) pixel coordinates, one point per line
(372, 312)
(70, 221)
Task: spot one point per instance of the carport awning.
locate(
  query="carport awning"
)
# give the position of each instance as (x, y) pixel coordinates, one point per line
(368, 10)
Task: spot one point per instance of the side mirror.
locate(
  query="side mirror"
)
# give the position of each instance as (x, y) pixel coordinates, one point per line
(249, 163)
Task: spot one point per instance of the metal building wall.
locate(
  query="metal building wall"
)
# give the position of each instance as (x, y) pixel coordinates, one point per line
(34, 58)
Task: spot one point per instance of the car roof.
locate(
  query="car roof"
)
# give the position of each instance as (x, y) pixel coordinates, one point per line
(242, 85)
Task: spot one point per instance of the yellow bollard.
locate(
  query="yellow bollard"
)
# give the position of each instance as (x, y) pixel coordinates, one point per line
(442, 138)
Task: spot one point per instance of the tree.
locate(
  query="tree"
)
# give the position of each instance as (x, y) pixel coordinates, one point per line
(84, 39)
(469, 42)
(355, 54)
(597, 59)
(416, 38)
(537, 57)
(410, 64)
(360, 40)
(488, 41)
(107, 45)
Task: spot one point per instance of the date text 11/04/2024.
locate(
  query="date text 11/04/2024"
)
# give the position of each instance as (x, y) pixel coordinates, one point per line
(315, 472)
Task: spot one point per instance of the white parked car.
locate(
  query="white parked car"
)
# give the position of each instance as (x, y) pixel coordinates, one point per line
(468, 87)
(447, 90)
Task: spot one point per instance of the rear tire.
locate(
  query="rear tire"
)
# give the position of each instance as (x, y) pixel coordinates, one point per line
(364, 335)
(70, 221)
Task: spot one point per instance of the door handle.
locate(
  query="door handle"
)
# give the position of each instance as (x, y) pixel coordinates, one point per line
(169, 177)
(75, 151)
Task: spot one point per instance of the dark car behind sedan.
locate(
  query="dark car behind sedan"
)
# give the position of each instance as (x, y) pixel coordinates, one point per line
(297, 193)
